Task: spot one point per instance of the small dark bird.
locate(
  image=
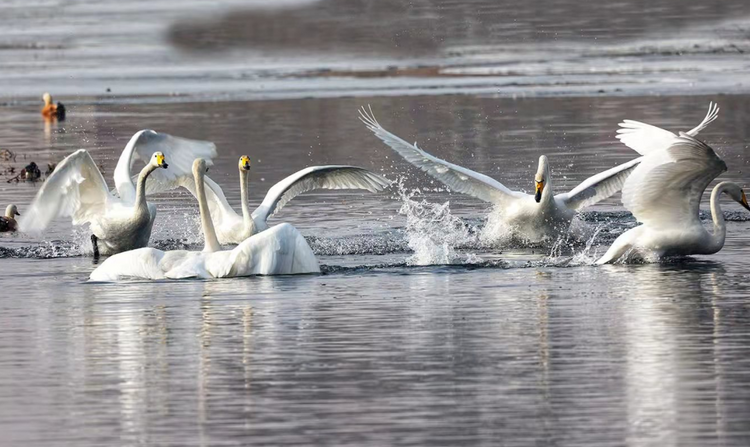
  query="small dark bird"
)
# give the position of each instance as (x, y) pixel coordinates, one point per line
(52, 110)
(31, 172)
(50, 169)
(8, 222)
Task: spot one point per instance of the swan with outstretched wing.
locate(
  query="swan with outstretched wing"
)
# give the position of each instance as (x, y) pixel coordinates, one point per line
(281, 250)
(233, 228)
(120, 219)
(664, 193)
(532, 217)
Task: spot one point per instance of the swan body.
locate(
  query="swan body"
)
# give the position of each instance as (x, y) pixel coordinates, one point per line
(8, 222)
(532, 218)
(664, 193)
(233, 228)
(281, 250)
(120, 220)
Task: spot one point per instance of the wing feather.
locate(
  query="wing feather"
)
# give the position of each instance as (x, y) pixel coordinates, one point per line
(668, 185)
(457, 178)
(317, 177)
(645, 138)
(179, 153)
(75, 189)
(599, 187)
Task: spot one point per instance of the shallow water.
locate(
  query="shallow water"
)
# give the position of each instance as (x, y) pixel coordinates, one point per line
(418, 331)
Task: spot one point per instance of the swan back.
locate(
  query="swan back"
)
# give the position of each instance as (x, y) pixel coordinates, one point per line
(666, 188)
(280, 250)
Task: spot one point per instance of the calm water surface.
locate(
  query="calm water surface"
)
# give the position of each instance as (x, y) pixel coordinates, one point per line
(417, 332)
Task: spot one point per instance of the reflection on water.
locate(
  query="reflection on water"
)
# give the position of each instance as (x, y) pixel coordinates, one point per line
(573, 355)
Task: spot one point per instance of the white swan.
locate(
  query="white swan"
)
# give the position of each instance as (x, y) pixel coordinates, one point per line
(233, 228)
(664, 194)
(280, 250)
(120, 221)
(530, 217)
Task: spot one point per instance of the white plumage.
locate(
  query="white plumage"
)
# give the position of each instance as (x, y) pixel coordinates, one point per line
(233, 228)
(664, 194)
(280, 250)
(530, 217)
(122, 219)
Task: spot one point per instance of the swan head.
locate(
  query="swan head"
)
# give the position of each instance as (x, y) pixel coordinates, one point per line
(244, 163)
(199, 167)
(47, 98)
(541, 178)
(11, 211)
(734, 191)
(158, 160)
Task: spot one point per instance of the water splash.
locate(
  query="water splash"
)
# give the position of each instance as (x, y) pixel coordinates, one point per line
(433, 233)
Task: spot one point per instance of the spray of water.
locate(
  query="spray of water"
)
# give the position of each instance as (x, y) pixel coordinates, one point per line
(433, 233)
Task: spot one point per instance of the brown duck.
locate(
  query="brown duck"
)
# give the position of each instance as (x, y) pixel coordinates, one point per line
(51, 110)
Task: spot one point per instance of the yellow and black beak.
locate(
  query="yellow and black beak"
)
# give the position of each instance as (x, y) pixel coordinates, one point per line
(538, 193)
(743, 202)
(245, 163)
(161, 161)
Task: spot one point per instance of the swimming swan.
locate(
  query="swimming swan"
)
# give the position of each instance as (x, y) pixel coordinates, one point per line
(280, 250)
(664, 194)
(233, 228)
(122, 219)
(531, 217)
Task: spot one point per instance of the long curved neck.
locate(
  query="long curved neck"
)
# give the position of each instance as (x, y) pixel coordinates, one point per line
(140, 188)
(720, 227)
(547, 193)
(247, 217)
(209, 233)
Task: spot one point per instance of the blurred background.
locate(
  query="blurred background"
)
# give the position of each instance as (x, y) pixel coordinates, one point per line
(239, 49)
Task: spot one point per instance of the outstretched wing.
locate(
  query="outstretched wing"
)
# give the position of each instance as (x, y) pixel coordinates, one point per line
(456, 177)
(317, 177)
(645, 138)
(666, 188)
(599, 187)
(178, 152)
(76, 189)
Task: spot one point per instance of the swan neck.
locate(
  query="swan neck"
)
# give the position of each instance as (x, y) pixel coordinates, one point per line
(140, 187)
(720, 228)
(247, 217)
(209, 233)
(547, 193)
